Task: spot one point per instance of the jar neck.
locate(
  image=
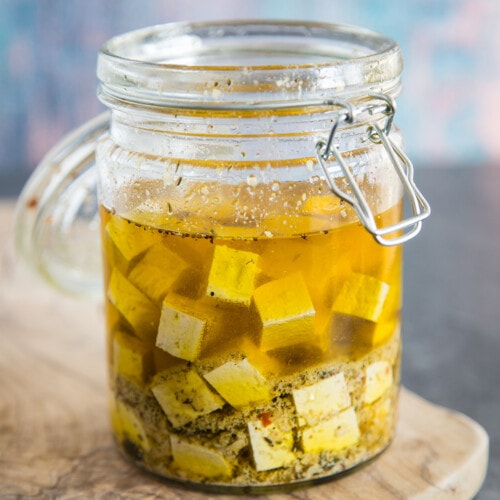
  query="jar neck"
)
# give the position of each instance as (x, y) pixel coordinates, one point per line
(243, 91)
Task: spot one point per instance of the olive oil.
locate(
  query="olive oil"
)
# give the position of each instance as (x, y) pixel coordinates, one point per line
(261, 357)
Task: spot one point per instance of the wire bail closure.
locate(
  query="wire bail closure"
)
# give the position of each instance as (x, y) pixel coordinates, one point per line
(404, 168)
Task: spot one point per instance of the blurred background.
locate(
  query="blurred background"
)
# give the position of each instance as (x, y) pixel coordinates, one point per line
(451, 92)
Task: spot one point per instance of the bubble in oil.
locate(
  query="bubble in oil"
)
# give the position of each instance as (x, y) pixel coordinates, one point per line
(252, 180)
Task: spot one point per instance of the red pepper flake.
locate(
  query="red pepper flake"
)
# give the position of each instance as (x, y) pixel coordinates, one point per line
(265, 419)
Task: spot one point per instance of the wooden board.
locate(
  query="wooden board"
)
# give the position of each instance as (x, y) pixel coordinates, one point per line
(55, 440)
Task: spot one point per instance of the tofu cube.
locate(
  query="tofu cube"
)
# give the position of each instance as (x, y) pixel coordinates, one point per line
(114, 258)
(181, 329)
(133, 305)
(199, 460)
(232, 275)
(132, 359)
(127, 425)
(362, 296)
(162, 360)
(272, 444)
(157, 271)
(184, 396)
(321, 400)
(286, 311)
(378, 378)
(334, 434)
(322, 205)
(347, 330)
(129, 238)
(383, 331)
(240, 384)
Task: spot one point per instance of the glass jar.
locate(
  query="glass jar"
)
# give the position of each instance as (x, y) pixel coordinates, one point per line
(250, 191)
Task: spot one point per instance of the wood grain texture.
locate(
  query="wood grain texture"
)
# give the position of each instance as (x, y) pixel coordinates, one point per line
(55, 440)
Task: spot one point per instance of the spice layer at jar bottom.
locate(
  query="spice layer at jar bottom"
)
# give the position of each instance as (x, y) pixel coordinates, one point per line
(251, 361)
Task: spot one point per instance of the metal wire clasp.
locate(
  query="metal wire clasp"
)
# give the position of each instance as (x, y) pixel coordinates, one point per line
(420, 208)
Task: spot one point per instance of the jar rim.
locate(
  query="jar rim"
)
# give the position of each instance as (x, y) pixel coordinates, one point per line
(247, 64)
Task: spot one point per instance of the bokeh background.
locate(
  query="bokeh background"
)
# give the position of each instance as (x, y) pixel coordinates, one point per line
(449, 109)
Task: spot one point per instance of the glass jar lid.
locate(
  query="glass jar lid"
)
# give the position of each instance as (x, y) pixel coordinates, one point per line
(247, 64)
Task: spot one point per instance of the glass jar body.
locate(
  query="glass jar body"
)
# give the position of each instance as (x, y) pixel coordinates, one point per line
(253, 323)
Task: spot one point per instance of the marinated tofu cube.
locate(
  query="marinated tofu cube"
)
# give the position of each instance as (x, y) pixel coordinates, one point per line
(127, 425)
(157, 271)
(236, 348)
(382, 414)
(199, 460)
(347, 330)
(162, 360)
(240, 384)
(114, 257)
(272, 443)
(184, 396)
(362, 296)
(322, 205)
(286, 311)
(321, 400)
(181, 329)
(276, 225)
(378, 379)
(383, 331)
(128, 237)
(134, 306)
(334, 434)
(132, 359)
(232, 275)
(308, 255)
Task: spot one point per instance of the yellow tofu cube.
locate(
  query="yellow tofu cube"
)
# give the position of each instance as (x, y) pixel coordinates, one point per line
(199, 460)
(114, 257)
(384, 330)
(132, 359)
(334, 434)
(362, 296)
(240, 384)
(382, 415)
(271, 444)
(184, 396)
(135, 307)
(322, 205)
(232, 275)
(347, 330)
(126, 424)
(378, 378)
(181, 330)
(321, 400)
(162, 360)
(129, 238)
(286, 311)
(157, 271)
